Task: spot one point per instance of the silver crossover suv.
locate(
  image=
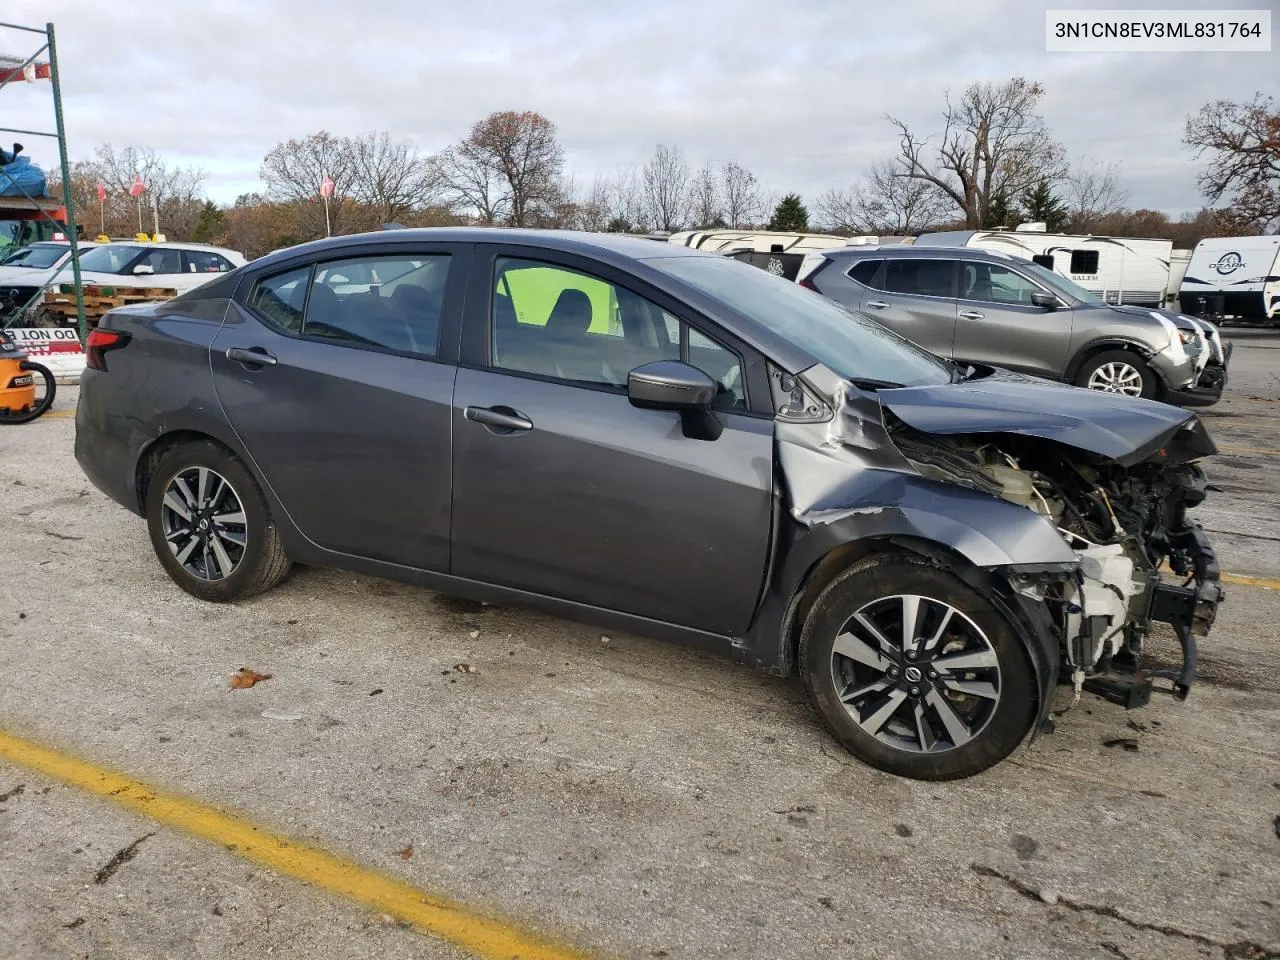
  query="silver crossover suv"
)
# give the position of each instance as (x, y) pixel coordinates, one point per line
(975, 306)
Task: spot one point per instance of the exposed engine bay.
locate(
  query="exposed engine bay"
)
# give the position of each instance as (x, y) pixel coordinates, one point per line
(1123, 522)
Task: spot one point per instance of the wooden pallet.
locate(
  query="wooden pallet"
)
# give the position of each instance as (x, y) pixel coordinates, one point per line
(98, 299)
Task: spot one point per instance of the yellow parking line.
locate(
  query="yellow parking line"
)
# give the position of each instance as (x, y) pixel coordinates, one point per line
(1268, 583)
(59, 413)
(486, 937)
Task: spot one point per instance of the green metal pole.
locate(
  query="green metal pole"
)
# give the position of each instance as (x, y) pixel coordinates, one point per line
(68, 199)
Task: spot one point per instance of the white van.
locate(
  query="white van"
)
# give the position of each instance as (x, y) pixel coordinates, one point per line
(1121, 270)
(1234, 277)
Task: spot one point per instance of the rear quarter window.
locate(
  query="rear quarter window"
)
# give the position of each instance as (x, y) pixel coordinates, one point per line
(280, 298)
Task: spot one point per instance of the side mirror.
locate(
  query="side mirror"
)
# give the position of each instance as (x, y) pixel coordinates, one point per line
(1046, 300)
(673, 385)
(143, 268)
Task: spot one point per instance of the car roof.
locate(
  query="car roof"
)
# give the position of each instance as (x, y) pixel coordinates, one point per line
(909, 252)
(605, 246)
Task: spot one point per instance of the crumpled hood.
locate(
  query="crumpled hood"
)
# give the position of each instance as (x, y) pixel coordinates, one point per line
(1124, 429)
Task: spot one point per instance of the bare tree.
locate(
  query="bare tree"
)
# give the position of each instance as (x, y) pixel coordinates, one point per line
(704, 199)
(393, 177)
(741, 195)
(885, 203)
(508, 168)
(295, 169)
(1094, 194)
(666, 188)
(178, 192)
(593, 208)
(994, 144)
(1243, 140)
(470, 181)
(627, 202)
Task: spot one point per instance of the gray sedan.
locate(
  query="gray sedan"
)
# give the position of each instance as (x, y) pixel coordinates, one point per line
(667, 442)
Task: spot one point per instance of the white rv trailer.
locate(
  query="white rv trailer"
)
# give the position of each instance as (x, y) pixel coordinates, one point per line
(759, 241)
(1235, 277)
(1177, 270)
(1122, 270)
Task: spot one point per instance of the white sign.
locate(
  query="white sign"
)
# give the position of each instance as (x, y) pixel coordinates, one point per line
(57, 348)
(1153, 31)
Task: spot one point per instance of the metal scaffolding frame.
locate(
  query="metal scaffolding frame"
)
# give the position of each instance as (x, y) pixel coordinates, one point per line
(60, 134)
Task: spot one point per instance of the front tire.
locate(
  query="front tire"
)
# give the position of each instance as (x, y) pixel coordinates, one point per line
(947, 697)
(210, 525)
(1119, 371)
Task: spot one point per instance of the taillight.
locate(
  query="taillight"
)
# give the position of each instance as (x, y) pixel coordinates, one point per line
(810, 267)
(808, 282)
(99, 344)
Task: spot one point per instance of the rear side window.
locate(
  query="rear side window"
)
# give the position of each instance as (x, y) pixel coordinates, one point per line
(161, 260)
(387, 302)
(864, 271)
(280, 298)
(1084, 261)
(929, 278)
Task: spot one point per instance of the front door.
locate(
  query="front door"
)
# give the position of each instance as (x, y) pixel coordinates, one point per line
(337, 378)
(998, 324)
(563, 488)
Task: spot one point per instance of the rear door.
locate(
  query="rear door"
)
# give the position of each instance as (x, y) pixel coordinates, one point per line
(563, 488)
(338, 378)
(916, 298)
(998, 324)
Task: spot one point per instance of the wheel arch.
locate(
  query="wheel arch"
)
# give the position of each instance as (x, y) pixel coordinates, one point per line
(1028, 619)
(1095, 347)
(151, 454)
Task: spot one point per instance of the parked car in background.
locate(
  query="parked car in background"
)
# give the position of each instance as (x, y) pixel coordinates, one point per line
(976, 306)
(667, 442)
(26, 270)
(179, 266)
(1132, 271)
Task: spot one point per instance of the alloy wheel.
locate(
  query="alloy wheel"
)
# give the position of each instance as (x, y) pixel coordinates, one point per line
(204, 523)
(916, 673)
(1116, 376)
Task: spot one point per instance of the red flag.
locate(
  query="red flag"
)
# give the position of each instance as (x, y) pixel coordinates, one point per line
(326, 186)
(102, 192)
(136, 188)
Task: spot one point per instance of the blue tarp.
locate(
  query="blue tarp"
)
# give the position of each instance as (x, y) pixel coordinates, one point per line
(22, 176)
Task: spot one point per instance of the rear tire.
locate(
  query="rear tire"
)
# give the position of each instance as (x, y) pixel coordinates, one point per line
(210, 525)
(957, 699)
(1119, 371)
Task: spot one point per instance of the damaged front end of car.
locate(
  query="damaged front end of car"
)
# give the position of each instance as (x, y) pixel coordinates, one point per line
(1062, 506)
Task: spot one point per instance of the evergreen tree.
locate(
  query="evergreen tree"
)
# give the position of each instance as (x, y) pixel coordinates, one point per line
(790, 216)
(1043, 205)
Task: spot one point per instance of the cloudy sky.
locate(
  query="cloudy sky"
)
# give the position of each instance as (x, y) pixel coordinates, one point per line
(795, 91)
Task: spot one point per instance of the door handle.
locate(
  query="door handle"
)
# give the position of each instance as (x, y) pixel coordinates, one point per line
(875, 304)
(500, 419)
(255, 356)
(972, 315)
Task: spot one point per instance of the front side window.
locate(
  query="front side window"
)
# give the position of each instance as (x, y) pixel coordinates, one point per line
(161, 260)
(924, 277)
(205, 261)
(386, 302)
(552, 321)
(991, 283)
(38, 257)
(280, 298)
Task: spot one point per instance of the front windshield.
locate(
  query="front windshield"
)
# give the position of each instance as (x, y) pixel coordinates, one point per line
(109, 258)
(1060, 284)
(37, 257)
(853, 346)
